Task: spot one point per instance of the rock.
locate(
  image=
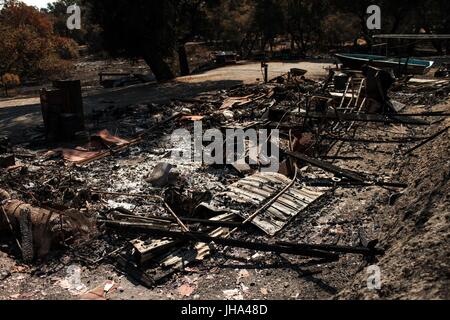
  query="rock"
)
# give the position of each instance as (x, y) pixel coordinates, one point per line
(4, 274)
(257, 257)
(244, 274)
(242, 168)
(233, 294)
(160, 176)
(186, 111)
(229, 115)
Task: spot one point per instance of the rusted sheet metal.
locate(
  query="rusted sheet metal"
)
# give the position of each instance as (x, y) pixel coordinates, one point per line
(95, 149)
(239, 101)
(255, 191)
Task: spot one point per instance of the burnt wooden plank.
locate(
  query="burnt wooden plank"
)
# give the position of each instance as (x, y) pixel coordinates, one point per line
(360, 117)
(327, 166)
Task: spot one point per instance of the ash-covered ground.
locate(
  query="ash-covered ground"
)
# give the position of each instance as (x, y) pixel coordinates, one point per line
(411, 224)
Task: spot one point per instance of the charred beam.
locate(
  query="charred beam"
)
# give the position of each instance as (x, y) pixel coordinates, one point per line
(349, 117)
(434, 136)
(200, 237)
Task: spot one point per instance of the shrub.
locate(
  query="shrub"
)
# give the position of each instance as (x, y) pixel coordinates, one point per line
(52, 67)
(66, 48)
(10, 80)
(28, 45)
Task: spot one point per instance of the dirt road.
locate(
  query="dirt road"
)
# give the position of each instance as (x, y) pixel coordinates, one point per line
(18, 117)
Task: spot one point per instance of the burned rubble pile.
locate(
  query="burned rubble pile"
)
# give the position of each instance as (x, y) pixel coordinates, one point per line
(122, 197)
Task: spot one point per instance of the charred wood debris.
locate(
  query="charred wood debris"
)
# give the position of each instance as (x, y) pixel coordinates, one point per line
(90, 201)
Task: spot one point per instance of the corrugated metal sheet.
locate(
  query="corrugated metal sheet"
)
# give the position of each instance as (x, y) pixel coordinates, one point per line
(257, 190)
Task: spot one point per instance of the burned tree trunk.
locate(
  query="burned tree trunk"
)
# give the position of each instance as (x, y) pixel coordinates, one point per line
(159, 67)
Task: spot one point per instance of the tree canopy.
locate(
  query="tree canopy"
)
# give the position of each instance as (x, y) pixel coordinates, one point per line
(157, 31)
